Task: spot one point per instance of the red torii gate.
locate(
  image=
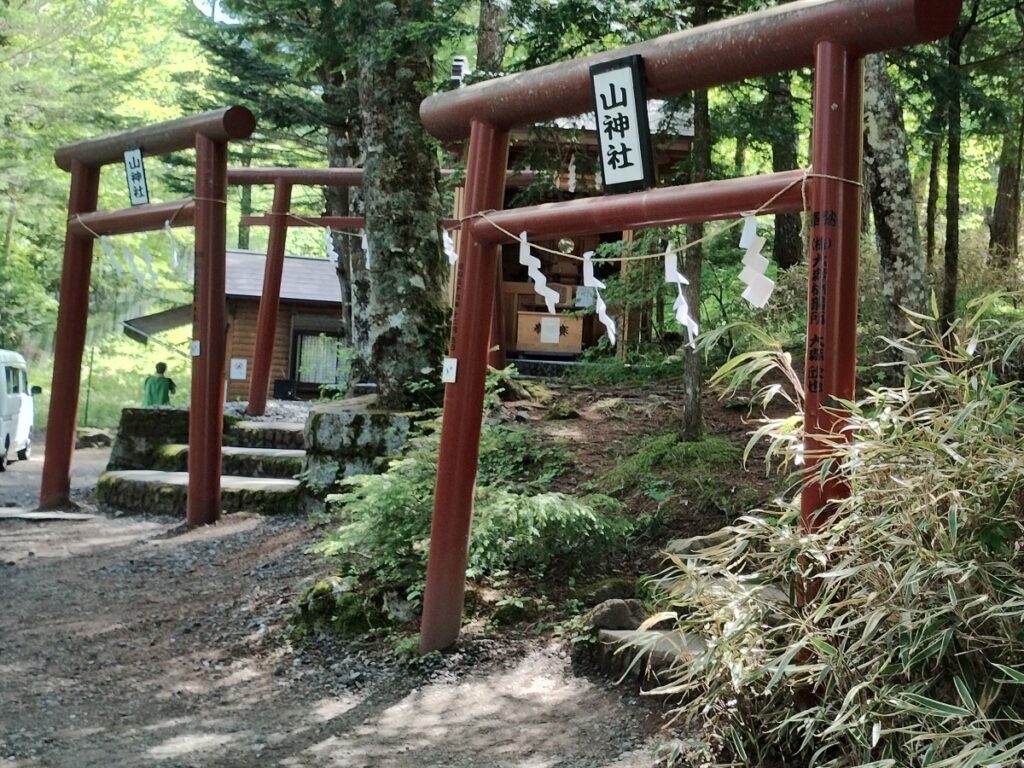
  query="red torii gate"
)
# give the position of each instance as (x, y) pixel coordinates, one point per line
(278, 220)
(832, 36)
(209, 133)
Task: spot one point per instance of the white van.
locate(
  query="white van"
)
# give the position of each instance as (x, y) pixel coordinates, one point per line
(17, 412)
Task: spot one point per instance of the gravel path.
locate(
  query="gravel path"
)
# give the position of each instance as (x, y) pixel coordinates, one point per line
(130, 642)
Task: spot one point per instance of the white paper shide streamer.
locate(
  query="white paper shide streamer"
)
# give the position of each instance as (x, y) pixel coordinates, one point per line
(540, 282)
(681, 307)
(332, 252)
(592, 282)
(364, 243)
(174, 245)
(449, 249)
(571, 184)
(759, 287)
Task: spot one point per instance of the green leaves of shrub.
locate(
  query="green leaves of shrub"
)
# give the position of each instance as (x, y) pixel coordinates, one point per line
(384, 528)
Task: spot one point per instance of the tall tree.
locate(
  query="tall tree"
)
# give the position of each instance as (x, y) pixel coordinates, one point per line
(700, 161)
(892, 200)
(400, 315)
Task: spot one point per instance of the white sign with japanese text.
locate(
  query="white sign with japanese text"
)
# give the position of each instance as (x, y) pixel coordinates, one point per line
(135, 173)
(621, 107)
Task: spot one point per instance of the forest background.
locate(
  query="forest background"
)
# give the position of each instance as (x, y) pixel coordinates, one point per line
(336, 83)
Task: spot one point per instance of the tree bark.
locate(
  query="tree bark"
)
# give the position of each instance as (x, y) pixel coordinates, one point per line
(490, 40)
(951, 251)
(787, 249)
(246, 202)
(692, 426)
(400, 313)
(892, 200)
(1003, 247)
(932, 209)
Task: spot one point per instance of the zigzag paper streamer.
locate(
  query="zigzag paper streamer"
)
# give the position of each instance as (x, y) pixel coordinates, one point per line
(174, 246)
(109, 251)
(364, 242)
(332, 252)
(681, 307)
(759, 287)
(129, 258)
(572, 174)
(590, 281)
(449, 248)
(532, 264)
(147, 258)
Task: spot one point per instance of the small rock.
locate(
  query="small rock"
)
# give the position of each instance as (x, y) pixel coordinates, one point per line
(617, 614)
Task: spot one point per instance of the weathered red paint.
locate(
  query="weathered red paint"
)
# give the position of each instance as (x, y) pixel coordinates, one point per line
(141, 218)
(209, 133)
(221, 125)
(834, 249)
(72, 317)
(206, 413)
(774, 40)
(833, 35)
(706, 201)
(463, 400)
(266, 321)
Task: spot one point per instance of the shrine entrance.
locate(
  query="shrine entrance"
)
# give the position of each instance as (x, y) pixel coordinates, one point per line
(832, 36)
(209, 133)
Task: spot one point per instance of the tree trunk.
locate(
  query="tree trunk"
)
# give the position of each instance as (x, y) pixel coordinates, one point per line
(246, 204)
(951, 254)
(1002, 247)
(692, 425)
(892, 199)
(787, 248)
(343, 151)
(490, 42)
(400, 313)
(932, 210)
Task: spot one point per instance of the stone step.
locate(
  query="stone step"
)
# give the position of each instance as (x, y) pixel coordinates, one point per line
(645, 656)
(145, 491)
(266, 434)
(241, 462)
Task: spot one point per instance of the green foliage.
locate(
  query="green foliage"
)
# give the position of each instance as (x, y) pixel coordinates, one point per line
(384, 528)
(112, 374)
(906, 648)
(663, 467)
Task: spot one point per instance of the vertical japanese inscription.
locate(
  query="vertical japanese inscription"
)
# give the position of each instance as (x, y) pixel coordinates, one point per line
(620, 104)
(135, 174)
(823, 226)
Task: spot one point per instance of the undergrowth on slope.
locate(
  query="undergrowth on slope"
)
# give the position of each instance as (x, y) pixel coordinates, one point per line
(894, 636)
(380, 540)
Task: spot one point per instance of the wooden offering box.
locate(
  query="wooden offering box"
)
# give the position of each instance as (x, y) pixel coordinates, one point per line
(544, 332)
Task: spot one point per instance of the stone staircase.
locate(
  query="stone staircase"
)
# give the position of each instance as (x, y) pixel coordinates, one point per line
(148, 470)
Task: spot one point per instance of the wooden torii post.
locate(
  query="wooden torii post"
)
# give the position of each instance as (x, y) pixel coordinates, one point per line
(278, 221)
(209, 133)
(830, 35)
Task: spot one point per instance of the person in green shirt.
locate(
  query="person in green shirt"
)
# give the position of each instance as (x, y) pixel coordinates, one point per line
(157, 390)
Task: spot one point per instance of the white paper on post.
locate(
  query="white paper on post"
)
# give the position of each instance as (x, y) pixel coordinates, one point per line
(238, 368)
(449, 249)
(135, 175)
(449, 370)
(550, 330)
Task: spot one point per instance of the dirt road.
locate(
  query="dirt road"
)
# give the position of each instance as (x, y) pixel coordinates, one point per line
(128, 642)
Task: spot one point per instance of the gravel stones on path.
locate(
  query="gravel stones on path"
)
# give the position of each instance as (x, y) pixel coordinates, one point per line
(134, 642)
